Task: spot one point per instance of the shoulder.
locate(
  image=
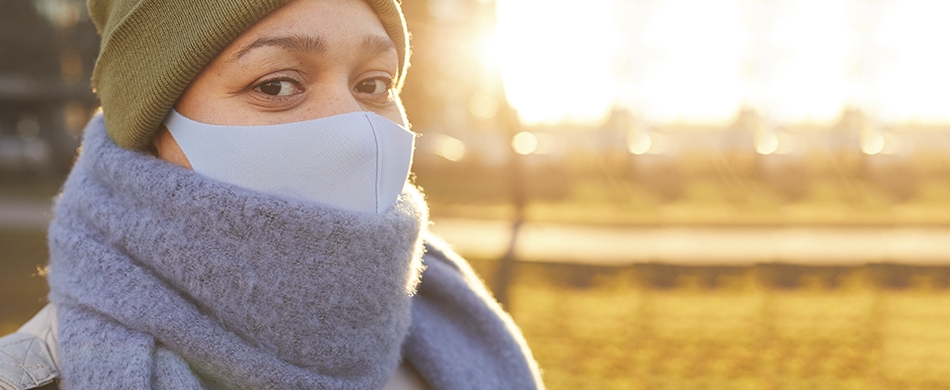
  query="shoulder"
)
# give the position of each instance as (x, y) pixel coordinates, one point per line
(27, 356)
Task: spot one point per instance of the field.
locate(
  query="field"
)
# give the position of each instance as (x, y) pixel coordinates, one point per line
(765, 327)
(666, 327)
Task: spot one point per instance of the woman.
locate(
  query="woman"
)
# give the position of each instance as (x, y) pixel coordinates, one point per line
(238, 217)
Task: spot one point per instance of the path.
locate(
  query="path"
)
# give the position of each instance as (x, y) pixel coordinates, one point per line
(672, 245)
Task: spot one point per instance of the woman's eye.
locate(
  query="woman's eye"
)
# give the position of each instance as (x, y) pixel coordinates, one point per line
(277, 87)
(373, 86)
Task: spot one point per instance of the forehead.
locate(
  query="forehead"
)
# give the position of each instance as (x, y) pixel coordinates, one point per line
(319, 21)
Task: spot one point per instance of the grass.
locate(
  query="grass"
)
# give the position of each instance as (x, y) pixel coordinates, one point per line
(734, 328)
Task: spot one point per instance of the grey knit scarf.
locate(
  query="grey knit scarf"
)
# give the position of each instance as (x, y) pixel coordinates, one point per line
(165, 279)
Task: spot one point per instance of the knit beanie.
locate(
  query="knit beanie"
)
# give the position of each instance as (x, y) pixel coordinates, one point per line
(152, 49)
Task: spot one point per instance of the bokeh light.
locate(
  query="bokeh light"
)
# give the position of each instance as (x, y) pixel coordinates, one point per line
(524, 143)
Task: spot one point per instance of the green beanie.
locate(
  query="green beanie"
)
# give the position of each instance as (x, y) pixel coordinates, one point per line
(152, 49)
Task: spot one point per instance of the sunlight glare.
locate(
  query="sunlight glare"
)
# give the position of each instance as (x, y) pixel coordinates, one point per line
(913, 84)
(699, 61)
(807, 80)
(556, 59)
(693, 53)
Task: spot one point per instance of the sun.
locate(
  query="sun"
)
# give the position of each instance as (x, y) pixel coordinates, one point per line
(701, 61)
(556, 59)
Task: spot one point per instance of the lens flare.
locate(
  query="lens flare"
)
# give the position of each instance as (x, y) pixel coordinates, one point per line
(524, 143)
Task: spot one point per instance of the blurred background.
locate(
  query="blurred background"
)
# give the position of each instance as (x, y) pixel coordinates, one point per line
(663, 193)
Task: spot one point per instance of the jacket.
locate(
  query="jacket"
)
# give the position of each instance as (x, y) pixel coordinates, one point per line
(28, 357)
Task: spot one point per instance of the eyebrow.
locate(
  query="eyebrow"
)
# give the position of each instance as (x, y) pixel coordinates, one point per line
(290, 42)
(371, 45)
(375, 44)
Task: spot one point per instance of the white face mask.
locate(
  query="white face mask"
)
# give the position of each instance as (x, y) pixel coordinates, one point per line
(357, 161)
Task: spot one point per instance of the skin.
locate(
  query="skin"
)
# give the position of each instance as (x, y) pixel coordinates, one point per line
(308, 59)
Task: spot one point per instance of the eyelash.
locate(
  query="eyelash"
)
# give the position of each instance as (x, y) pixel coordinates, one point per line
(295, 82)
(388, 81)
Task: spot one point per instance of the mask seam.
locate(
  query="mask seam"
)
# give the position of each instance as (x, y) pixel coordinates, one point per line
(379, 164)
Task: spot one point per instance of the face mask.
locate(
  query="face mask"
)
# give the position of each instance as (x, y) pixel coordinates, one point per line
(357, 161)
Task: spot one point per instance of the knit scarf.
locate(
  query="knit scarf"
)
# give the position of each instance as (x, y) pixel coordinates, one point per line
(165, 279)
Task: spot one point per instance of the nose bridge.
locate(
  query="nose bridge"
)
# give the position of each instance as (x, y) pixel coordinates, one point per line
(333, 98)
